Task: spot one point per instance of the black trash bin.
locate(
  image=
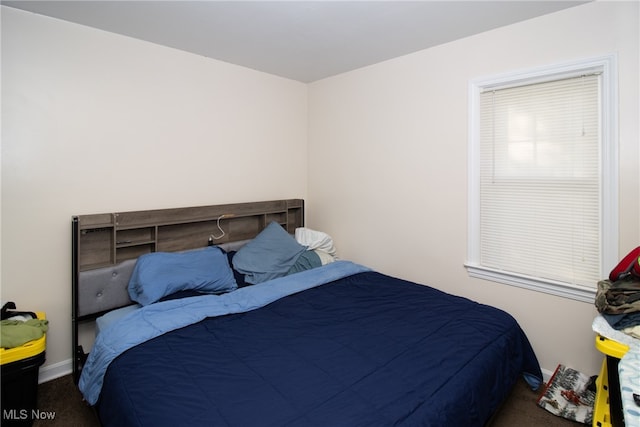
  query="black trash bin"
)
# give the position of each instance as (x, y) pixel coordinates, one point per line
(19, 367)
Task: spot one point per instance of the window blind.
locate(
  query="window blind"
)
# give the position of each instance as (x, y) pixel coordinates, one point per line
(540, 186)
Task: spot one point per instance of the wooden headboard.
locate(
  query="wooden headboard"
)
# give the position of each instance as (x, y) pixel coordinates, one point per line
(105, 247)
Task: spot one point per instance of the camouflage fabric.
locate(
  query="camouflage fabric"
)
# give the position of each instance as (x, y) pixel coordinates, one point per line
(619, 297)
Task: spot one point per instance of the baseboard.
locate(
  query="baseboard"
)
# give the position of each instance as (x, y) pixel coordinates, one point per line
(56, 370)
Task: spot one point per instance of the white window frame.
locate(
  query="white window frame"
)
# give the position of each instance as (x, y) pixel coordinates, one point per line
(607, 66)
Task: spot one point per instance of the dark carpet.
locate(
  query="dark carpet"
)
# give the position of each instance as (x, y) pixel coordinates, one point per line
(62, 398)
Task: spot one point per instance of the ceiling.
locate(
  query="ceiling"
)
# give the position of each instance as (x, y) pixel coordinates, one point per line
(300, 40)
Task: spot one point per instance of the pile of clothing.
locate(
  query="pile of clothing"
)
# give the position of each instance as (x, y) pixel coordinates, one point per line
(19, 327)
(618, 298)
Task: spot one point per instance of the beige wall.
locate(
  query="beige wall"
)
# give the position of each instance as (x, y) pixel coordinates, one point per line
(388, 162)
(95, 122)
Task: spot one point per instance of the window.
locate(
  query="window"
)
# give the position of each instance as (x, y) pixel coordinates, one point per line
(543, 178)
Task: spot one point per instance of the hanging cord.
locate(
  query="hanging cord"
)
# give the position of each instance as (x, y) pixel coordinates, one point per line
(212, 237)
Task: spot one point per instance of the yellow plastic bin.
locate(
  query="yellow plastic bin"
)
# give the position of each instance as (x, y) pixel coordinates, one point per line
(19, 367)
(607, 411)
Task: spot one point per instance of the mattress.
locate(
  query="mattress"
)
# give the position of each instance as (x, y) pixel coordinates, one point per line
(362, 350)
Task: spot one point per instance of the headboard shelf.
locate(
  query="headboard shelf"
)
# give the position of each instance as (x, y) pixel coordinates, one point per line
(110, 238)
(118, 226)
(201, 213)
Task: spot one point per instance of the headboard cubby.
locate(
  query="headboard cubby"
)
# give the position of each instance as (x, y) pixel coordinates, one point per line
(106, 245)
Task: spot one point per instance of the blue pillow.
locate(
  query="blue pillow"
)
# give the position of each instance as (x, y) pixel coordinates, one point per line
(269, 255)
(159, 274)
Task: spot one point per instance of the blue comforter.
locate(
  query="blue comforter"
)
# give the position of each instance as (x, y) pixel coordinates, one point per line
(361, 350)
(156, 319)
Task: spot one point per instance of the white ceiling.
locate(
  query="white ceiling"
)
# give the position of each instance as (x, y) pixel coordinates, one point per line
(300, 40)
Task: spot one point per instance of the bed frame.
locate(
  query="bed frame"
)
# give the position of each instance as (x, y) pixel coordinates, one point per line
(105, 248)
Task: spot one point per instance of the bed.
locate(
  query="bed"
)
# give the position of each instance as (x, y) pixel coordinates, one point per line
(301, 339)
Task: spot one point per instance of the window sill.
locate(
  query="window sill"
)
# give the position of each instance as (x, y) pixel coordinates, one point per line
(565, 290)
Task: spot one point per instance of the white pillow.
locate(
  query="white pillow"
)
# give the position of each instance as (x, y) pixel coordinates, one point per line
(315, 240)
